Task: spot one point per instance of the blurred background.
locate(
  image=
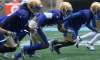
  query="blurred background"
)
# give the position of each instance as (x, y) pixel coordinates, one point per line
(9, 6)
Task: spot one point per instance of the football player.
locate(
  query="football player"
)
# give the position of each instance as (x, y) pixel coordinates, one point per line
(71, 26)
(95, 7)
(17, 22)
(52, 17)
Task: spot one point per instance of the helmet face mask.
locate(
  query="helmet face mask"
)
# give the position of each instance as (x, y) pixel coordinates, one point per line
(94, 10)
(36, 9)
(69, 12)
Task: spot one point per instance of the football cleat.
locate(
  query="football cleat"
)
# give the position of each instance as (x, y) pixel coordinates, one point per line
(52, 44)
(78, 41)
(57, 49)
(90, 47)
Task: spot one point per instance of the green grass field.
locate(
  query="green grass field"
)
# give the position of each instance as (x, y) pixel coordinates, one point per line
(68, 53)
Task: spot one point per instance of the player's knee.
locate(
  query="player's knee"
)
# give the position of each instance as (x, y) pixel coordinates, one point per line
(11, 46)
(5, 49)
(12, 49)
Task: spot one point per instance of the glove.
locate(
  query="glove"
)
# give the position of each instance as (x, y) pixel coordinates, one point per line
(32, 24)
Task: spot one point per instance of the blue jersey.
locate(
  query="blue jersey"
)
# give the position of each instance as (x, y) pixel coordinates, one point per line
(76, 20)
(19, 35)
(50, 18)
(17, 20)
(2, 18)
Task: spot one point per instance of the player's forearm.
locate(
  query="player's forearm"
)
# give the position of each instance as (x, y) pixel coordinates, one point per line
(61, 28)
(3, 31)
(92, 28)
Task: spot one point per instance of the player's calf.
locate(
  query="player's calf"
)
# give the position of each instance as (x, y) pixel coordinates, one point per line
(9, 46)
(56, 45)
(4, 49)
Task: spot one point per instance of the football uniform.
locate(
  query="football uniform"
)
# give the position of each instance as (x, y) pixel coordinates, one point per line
(52, 17)
(95, 35)
(76, 20)
(16, 22)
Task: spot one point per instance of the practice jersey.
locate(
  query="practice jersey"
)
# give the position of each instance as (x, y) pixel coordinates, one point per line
(17, 20)
(50, 18)
(76, 20)
(2, 18)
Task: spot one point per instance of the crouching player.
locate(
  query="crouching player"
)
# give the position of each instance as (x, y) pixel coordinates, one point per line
(95, 7)
(17, 22)
(53, 17)
(71, 26)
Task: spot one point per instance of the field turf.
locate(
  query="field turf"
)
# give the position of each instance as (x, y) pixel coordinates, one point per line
(67, 53)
